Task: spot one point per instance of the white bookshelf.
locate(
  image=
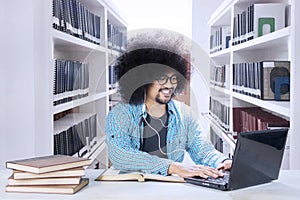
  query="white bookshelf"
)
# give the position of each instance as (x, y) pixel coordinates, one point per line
(279, 45)
(31, 47)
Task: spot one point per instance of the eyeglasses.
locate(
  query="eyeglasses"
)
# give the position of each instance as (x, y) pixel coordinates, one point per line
(164, 79)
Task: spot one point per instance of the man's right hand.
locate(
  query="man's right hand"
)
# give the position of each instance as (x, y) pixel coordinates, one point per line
(194, 170)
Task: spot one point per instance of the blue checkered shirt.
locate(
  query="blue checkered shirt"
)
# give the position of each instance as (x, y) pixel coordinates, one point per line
(124, 129)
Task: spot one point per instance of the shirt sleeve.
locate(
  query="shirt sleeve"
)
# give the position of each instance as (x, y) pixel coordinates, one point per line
(199, 148)
(123, 148)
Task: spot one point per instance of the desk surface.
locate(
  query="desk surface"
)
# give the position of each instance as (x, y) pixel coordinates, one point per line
(287, 188)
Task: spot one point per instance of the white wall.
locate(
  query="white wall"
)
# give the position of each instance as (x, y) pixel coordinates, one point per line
(188, 17)
(17, 67)
(175, 15)
(25, 114)
(201, 13)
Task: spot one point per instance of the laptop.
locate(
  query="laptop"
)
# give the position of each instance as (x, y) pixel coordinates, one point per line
(256, 160)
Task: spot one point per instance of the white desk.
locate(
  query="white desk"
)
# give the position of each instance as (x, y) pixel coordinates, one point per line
(286, 188)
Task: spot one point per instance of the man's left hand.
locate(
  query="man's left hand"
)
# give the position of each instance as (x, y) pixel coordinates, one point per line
(226, 165)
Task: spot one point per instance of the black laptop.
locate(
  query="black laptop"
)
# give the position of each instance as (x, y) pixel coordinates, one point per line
(257, 159)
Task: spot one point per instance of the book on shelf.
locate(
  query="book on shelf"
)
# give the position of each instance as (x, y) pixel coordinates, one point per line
(49, 189)
(220, 75)
(45, 181)
(79, 171)
(71, 81)
(257, 20)
(254, 118)
(220, 38)
(219, 111)
(216, 140)
(266, 80)
(74, 18)
(112, 174)
(45, 164)
(73, 132)
(117, 38)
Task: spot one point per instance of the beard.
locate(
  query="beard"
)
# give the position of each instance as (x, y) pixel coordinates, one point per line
(160, 100)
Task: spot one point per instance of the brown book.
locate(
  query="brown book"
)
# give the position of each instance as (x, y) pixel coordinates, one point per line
(112, 174)
(62, 173)
(47, 163)
(45, 181)
(267, 120)
(50, 189)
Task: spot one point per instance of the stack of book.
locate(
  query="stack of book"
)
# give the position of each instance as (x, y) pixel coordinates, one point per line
(57, 174)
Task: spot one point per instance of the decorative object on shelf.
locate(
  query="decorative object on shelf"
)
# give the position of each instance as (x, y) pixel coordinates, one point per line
(257, 20)
(265, 22)
(257, 79)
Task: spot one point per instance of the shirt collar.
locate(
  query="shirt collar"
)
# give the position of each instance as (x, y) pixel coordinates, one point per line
(142, 112)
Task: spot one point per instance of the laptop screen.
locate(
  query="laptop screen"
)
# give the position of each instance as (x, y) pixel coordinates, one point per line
(257, 157)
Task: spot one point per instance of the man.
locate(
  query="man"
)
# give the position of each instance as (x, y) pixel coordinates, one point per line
(149, 131)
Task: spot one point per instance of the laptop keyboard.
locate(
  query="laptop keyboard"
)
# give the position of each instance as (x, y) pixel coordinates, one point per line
(220, 180)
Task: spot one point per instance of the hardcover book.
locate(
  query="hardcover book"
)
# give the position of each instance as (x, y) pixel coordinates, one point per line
(47, 163)
(63, 173)
(112, 174)
(50, 189)
(45, 181)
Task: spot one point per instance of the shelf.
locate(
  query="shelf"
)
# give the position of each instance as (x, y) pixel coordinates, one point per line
(222, 16)
(220, 89)
(258, 1)
(96, 149)
(227, 136)
(78, 102)
(280, 45)
(277, 39)
(92, 5)
(113, 53)
(66, 42)
(112, 91)
(280, 107)
(221, 54)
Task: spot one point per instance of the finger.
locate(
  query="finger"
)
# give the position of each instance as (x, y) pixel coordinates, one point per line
(208, 171)
(213, 171)
(200, 174)
(221, 166)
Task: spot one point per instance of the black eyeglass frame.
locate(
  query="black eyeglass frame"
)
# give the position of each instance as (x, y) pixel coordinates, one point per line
(163, 79)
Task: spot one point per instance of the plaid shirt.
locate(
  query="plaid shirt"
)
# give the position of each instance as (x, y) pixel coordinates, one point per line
(124, 129)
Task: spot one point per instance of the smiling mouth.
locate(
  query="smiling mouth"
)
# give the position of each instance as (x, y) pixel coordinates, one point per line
(166, 91)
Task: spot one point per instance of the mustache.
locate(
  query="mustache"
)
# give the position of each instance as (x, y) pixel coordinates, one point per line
(167, 88)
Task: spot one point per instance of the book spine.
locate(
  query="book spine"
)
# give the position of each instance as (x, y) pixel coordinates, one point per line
(75, 132)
